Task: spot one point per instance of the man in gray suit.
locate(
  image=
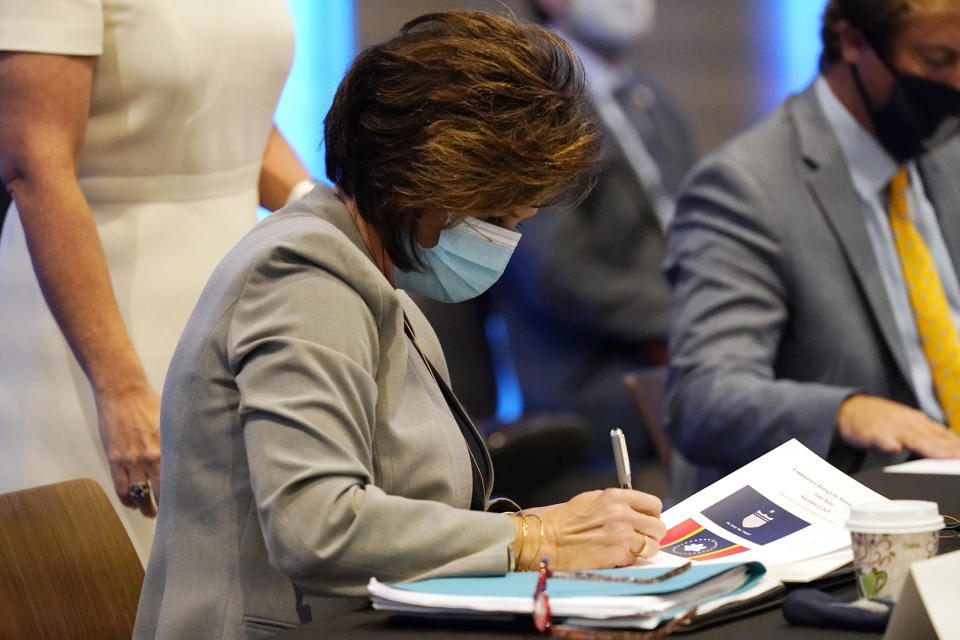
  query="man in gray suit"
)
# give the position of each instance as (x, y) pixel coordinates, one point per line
(791, 313)
(583, 298)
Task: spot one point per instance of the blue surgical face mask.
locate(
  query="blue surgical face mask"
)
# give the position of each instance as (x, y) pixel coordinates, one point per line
(467, 260)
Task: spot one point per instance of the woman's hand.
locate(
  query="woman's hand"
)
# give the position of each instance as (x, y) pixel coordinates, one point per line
(594, 530)
(129, 430)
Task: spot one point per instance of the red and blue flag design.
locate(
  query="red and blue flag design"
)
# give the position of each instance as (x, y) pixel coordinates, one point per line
(690, 539)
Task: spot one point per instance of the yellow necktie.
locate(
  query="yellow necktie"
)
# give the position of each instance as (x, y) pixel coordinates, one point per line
(938, 335)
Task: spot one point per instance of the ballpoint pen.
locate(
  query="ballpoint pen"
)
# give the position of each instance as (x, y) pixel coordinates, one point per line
(619, 443)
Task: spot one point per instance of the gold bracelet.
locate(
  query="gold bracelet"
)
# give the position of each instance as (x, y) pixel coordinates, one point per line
(536, 553)
(523, 536)
(524, 528)
(539, 519)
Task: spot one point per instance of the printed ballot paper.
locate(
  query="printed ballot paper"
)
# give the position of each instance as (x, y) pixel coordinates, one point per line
(778, 519)
(786, 509)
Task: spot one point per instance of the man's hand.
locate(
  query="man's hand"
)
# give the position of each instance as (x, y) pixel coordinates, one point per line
(868, 422)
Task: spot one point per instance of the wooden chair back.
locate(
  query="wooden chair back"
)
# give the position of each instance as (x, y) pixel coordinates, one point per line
(67, 566)
(647, 388)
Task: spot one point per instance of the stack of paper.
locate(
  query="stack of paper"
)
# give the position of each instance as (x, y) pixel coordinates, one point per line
(586, 602)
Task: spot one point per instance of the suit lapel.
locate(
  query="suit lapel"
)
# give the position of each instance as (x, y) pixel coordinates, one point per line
(939, 171)
(832, 189)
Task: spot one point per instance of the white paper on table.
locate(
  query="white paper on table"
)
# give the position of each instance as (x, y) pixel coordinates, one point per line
(947, 467)
(786, 507)
(811, 568)
(927, 607)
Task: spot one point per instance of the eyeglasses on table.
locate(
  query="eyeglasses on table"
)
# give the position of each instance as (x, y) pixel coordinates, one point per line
(541, 606)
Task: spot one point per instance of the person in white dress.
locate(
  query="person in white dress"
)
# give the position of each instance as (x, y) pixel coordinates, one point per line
(136, 139)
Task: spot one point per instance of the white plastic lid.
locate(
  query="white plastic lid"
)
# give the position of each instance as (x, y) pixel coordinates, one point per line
(895, 516)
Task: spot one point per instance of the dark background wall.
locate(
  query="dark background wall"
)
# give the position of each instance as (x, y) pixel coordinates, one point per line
(715, 57)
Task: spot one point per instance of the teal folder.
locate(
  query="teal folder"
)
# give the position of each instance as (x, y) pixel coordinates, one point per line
(711, 589)
(523, 584)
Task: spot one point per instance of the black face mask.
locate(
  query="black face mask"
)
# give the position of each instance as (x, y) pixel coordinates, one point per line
(919, 115)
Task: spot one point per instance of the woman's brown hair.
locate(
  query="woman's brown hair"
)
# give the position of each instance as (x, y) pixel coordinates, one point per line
(465, 112)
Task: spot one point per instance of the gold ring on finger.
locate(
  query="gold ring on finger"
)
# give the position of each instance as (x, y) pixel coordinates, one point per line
(642, 548)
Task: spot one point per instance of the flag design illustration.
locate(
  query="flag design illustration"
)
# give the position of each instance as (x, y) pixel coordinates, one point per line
(692, 540)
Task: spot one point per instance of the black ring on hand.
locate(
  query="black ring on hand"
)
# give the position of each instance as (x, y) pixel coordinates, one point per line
(140, 491)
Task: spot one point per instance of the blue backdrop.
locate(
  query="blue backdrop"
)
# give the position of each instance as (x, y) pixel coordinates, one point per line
(324, 49)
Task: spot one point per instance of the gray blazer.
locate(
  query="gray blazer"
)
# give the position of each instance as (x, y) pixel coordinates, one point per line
(779, 312)
(305, 445)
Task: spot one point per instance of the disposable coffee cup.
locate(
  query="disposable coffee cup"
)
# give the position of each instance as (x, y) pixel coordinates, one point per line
(888, 537)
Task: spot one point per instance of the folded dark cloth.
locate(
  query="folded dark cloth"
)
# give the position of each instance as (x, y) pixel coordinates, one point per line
(814, 608)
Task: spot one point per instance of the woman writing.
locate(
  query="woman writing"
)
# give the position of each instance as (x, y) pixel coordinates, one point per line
(310, 438)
